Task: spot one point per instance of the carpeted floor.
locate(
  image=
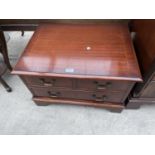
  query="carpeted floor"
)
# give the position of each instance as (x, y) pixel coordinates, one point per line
(19, 115)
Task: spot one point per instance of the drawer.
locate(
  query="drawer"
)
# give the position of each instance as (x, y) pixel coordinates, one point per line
(48, 81)
(101, 85)
(74, 94)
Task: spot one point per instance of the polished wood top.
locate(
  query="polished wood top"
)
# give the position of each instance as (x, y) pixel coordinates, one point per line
(102, 51)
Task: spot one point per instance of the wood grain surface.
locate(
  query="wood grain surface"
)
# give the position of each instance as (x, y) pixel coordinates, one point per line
(101, 51)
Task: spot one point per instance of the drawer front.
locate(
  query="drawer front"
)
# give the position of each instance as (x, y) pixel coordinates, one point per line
(48, 81)
(85, 95)
(102, 85)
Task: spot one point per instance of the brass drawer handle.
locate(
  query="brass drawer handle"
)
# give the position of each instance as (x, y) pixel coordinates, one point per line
(99, 99)
(102, 86)
(54, 95)
(48, 84)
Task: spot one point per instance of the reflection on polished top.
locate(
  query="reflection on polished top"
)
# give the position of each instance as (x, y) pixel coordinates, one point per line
(102, 51)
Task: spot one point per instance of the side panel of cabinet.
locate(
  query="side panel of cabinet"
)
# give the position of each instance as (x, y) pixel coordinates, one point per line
(149, 91)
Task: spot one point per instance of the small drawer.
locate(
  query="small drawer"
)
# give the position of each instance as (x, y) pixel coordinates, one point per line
(74, 94)
(53, 93)
(102, 85)
(107, 96)
(48, 81)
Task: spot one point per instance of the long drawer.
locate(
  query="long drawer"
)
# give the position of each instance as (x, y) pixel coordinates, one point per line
(75, 94)
(78, 84)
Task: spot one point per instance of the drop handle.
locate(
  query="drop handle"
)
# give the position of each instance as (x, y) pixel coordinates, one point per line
(48, 84)
(99, 99)
(54, 95)
(102, 86)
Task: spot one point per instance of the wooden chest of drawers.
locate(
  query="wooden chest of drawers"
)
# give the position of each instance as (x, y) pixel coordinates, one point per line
(80, 64)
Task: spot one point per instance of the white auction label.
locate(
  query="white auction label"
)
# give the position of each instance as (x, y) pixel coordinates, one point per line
(69, 70)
